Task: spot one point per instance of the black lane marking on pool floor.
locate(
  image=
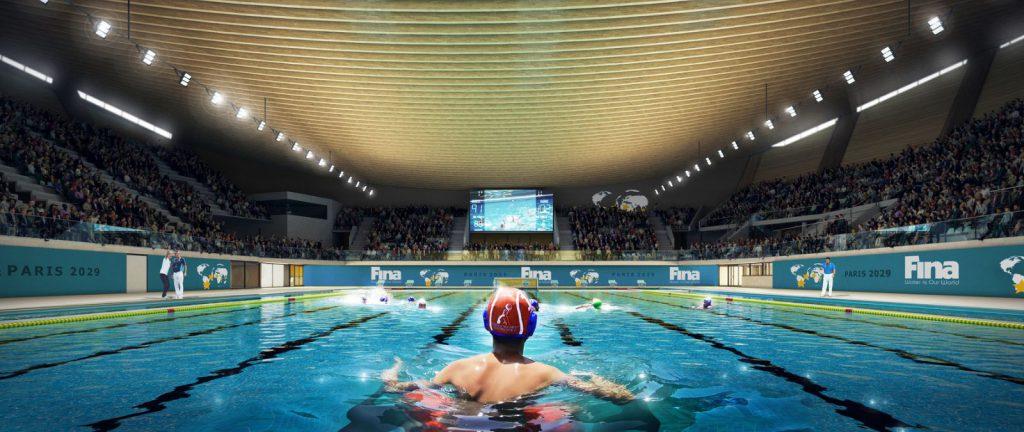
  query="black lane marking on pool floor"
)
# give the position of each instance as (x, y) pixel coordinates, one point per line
(867, 416)
(150, 343)
(917, 358)
(449, 330)
(181, 392)
(441, 295)
(900, 326)
(566, 333)
(120, 325)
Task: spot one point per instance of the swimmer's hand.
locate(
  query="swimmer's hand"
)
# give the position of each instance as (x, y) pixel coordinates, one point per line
(391, 383)
(600, 387)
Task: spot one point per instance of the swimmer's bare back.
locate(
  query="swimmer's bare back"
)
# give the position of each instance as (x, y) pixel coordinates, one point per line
(486, 379)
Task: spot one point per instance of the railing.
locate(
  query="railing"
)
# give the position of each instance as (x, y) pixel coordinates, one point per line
(1003, 224)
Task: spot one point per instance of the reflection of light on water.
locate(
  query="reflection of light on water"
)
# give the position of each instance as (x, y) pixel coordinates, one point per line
(363, 376)
(642, 376)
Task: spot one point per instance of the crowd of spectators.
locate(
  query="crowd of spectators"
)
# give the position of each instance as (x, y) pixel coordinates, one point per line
(968, 184)
(348, 218)
(410, 232)
(677, 218)
(511, 251)
(601, 232)
(226, 194)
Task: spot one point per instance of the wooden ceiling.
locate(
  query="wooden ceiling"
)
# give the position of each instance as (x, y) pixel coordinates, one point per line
(458, 94)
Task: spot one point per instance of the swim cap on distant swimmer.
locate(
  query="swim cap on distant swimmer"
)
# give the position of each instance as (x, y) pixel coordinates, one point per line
(509, 314)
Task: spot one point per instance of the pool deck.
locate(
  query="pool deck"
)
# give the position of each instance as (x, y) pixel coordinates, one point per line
(1001, 303)
(45, 302)
(30, 303)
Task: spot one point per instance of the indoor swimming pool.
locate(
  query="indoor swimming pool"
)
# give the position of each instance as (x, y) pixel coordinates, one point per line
(314, 366)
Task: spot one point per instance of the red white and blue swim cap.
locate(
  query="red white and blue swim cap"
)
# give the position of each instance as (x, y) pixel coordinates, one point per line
(509, 314)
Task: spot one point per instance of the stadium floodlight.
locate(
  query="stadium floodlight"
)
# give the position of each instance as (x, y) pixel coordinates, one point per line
(242, 113)
(331, 169)
(750, 135)
(359, 183)
(296, 147)
(364, 188)
(102, 29)
(670, 184)
(14, 64)
(341, 174)
(696, 167)
(323, 162)
(657, 192)
(149, 57)
(371, 192)
(721, 154)
(735, 146)
(887, 54)
(280, 136)
(125, 115)
(708, 160)
(185, 78)
(936, 25)
(848, 76)
(217, 98)
(1011, 41)
(262, 125)
(805, 133)
(817, 96)
(910, 86)
(662, 187)
(791, 111)
(679, 179)
(349, 180)
(309, 154)
(769, 124)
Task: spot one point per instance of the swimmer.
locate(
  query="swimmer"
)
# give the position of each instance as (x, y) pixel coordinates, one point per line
(595, 303)
(704, 304)
(504, 373)
(422, 304)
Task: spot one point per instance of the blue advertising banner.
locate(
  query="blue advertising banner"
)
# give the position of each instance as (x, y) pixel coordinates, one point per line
(483, 275)
(988, 271)
(202, 274)
(28, 271)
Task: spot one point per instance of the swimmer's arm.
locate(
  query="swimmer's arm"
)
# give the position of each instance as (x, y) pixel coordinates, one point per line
(597, 386)
(393, 385)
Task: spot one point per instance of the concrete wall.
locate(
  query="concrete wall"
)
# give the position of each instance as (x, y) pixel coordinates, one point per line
(1005, 79)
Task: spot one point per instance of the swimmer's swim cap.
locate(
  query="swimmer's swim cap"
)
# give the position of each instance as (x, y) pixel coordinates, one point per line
(411, 299)
(509, 314)
(535, 304)
(597, 303)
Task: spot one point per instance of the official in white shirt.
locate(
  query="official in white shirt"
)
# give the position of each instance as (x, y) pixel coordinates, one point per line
(165, 269)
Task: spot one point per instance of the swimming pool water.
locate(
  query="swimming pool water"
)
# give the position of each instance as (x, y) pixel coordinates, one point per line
(314, 366)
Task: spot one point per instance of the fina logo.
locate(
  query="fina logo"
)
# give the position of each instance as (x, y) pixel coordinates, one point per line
(385, 275)
(941, 271)
(674, 274)
(526, 273)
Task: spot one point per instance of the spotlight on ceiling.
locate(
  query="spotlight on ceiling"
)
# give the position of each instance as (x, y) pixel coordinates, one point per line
(735, 146)
(769, 124)
(280, 136)
(185, 78)
(750, 135)
(364, 188)
(887, 54)
(331, 169)
(309, 154)
(791, 111)
(242, 112)
(349, 180)
(261, 126)
(341, 174)
(936, 25)
(371, 192)
(670, 184)
(323, 162)
(679, 179)
(657, 192)
(296, 147)
(720, 154)
(696, 167)
(217, 98)
(708, 160)
(359, 183)
(817, 96)
(848, 76)
(149, 57)
(687, 173)
(102, 29)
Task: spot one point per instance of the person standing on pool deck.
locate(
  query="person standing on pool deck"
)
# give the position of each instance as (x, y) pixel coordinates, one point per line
(504, 373)
(165, 268)
(828, 278)
(178, 271)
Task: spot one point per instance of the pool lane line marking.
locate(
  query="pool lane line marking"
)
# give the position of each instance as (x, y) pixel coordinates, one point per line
(120, 325)
(163, 310)
(784, 309)
(565, 333)
(449, 330)
(150, 343)
(869, 417)
(182, 391)
(851, 310)
(917, 358)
